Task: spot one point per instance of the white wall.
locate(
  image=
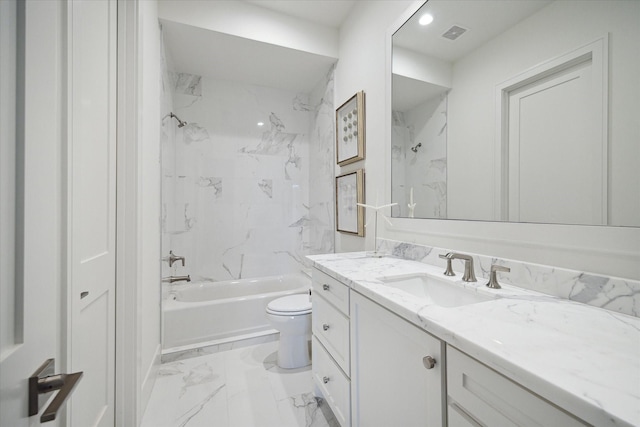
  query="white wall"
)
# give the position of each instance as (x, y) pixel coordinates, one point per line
(553, 31)
(362, 67)
(149, 197)
(607, 250)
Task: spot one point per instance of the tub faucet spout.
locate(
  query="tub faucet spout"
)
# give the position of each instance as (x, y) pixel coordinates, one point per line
(172, 279)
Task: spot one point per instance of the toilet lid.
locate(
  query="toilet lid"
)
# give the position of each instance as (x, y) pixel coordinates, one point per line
(298, 304)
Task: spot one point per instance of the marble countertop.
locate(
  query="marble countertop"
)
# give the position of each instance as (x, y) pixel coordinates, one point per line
(584, 359)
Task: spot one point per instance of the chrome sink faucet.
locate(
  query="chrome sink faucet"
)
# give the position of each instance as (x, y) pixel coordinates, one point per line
(469, 273)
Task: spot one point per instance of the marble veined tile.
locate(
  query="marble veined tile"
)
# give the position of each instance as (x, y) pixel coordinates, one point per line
(611, 293)
(193, 132)
(188, 84)
(188, 391)
(306, 410)
(245, 199)
(241, 387)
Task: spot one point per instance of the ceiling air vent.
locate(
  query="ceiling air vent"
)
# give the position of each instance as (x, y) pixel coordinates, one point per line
(454, 32)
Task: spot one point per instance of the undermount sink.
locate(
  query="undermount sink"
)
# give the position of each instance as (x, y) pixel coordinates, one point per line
(435, 290)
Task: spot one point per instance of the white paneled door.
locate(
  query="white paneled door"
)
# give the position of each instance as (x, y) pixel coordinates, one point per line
(58, 178)
(91, 208)
(30, 199)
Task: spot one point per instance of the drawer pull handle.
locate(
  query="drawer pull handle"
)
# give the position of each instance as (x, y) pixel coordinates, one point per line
(325, 287)
(325, 327)
(325, 379)
(429, 362)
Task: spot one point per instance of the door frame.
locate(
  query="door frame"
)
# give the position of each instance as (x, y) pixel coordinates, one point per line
(598, 52)
(128, 384)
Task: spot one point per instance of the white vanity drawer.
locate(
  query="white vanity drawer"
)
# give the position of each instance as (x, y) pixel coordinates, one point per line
(331, 327)
(332, 382)
(494, 400)
(334, 291)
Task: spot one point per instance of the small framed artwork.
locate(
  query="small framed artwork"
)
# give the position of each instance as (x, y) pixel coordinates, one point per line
(350, 127)
(349, 192)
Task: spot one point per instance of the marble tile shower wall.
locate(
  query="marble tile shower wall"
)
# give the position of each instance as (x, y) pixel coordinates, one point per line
(611, 293)
(239, 200)
(320, 222)
(425, 169)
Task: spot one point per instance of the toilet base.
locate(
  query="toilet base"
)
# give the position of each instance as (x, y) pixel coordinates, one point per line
(293, 351)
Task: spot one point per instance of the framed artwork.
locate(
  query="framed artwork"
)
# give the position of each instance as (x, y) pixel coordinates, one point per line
(349, 192)
(350, 130)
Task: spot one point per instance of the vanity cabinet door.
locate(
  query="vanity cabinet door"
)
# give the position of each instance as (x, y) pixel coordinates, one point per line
(392, 382)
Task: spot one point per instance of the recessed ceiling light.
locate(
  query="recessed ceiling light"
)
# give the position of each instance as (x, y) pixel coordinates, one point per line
(260, 124)
(425, 19)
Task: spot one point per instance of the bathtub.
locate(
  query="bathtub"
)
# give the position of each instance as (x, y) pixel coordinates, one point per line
(205, 312)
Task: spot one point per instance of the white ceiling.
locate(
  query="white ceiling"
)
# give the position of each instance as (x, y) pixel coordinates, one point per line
(331, 13)
(483, 19)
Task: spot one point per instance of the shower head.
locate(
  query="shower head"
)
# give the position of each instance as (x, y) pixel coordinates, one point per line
(415, 149)
(180, 122)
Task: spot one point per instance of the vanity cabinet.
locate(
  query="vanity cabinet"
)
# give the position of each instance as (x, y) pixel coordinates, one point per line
(397, 370)
(479, 396)
(330, 343)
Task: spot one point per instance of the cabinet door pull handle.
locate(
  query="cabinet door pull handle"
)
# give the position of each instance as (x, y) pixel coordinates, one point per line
(325, 327)
(428, 362)
(325, 287)
(325, 379)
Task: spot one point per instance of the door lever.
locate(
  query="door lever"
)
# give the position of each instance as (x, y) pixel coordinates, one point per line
(43, 382)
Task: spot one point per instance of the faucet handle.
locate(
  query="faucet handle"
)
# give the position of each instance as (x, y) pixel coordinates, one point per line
(173, 258)
(493, 278)
(496, 267)
(449, 270)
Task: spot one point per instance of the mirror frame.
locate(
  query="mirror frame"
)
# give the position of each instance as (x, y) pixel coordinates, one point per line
(607, 250)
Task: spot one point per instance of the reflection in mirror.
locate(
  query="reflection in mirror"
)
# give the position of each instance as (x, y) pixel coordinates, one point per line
(419, 148)
(518, 111)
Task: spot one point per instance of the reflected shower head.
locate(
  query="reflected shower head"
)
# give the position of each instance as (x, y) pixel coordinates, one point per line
(180, 122)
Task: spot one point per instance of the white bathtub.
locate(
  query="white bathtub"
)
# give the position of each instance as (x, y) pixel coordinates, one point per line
(203, 312)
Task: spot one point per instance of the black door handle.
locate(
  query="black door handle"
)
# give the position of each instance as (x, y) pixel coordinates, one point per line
(43, 382)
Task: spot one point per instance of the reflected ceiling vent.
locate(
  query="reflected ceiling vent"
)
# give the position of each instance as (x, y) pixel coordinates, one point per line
(454, 32)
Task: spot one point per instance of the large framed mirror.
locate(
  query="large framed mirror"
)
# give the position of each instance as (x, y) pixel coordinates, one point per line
(519, 111)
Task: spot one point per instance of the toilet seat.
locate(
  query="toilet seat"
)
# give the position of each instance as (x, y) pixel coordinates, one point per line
(291, 305)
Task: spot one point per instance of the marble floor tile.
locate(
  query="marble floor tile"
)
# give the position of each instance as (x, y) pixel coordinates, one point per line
(241, 387)
(305, 410)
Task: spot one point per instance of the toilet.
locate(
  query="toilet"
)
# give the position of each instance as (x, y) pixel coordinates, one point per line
(291, 315)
